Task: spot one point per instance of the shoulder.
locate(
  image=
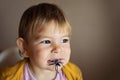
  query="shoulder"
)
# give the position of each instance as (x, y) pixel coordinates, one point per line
(72, 71)
(14, 70)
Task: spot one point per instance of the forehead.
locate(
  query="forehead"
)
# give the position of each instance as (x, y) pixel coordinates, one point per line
(50, 29)
(53, 27)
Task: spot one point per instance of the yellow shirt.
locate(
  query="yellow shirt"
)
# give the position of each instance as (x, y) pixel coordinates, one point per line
(15, 72)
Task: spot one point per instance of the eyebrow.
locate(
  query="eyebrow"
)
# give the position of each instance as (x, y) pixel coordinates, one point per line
(41, 36)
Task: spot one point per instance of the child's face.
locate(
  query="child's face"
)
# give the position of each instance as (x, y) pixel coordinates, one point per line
(50, 44)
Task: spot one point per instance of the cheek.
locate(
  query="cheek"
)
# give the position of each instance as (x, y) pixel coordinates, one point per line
(38, 56)
(36, 52)
(66, 54)
(41, 52)
(67, 51)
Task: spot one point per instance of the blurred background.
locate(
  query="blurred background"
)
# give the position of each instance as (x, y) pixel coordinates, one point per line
(95, 40)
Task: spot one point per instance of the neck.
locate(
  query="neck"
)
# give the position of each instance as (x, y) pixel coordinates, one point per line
(42, 74)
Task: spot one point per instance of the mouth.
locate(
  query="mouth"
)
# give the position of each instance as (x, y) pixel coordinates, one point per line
(56, 62)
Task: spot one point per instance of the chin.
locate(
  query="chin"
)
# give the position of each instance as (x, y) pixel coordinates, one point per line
(53, 68)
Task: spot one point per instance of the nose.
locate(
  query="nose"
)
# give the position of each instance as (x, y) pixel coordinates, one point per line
(57, 48)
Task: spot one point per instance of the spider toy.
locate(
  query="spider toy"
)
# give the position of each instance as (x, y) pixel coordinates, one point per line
(57, 63)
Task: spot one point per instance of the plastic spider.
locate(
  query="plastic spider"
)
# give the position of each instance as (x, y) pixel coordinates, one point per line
(57, 63)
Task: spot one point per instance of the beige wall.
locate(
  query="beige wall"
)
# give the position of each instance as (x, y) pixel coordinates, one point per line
(95, 39)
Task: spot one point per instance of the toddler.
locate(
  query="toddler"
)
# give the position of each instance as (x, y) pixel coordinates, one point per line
(44, 42)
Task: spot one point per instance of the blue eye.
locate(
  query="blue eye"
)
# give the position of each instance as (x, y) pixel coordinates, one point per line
(46, 42)
(65, 40)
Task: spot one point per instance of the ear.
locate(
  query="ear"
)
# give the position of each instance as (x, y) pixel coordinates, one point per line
(21, 45)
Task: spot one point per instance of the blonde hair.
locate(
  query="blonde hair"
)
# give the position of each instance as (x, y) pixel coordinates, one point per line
(39, 15)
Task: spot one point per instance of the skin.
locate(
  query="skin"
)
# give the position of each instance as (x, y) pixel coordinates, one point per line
(50, 44)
